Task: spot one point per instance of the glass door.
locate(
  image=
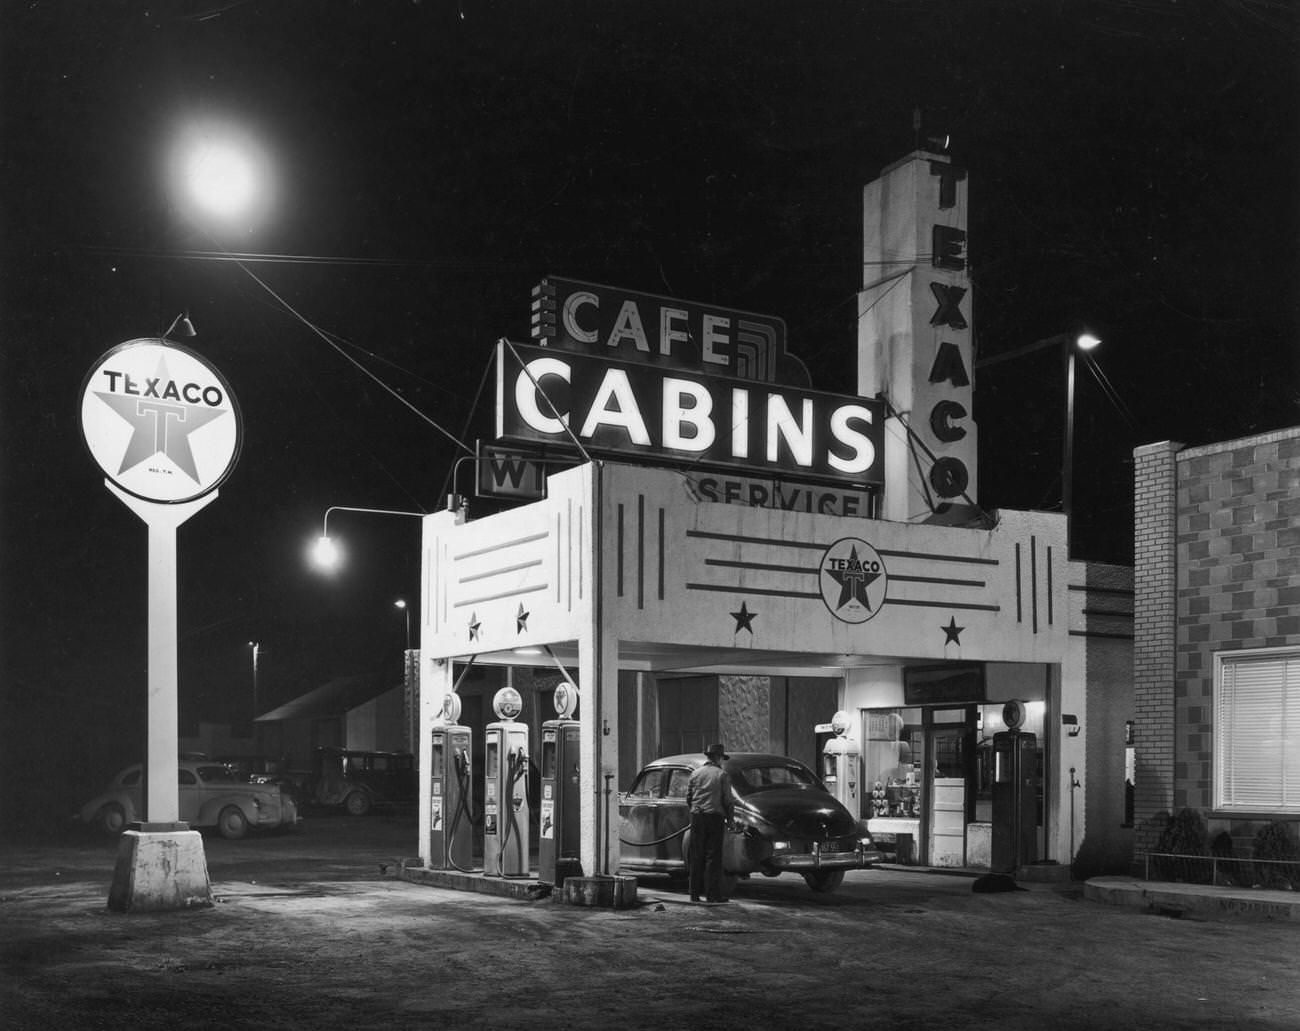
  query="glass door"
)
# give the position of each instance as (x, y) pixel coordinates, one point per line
(950, 740)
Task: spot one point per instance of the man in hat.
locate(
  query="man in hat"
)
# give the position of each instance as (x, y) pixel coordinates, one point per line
(708, 797)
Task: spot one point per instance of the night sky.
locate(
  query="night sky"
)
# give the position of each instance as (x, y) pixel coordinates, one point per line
(1133, 167)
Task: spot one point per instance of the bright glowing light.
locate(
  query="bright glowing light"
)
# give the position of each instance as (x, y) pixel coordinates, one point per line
(220, 176)
(221, 179)
(1087, 341)
(326, 553)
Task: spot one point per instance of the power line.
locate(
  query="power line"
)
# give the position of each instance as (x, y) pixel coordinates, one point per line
(347, 357)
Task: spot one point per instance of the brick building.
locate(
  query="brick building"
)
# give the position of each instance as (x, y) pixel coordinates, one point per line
(1217, 635)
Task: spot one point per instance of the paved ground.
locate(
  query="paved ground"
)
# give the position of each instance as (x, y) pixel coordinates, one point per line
(314, 930)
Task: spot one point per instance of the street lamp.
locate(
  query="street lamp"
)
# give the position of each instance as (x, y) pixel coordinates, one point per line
(326, 554)
(1083, 342)
(400, 603)
(1071, 344)
(220, 176)
(256, 647)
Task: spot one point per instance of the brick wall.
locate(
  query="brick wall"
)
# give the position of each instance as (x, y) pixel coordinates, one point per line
(1239, 557)
(1217, 565)
(1155, 576)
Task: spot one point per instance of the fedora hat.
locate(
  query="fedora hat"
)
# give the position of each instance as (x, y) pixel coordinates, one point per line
(716, 751)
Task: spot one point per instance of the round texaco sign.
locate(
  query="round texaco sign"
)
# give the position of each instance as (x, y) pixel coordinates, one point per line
(160, 421)
(853, 580)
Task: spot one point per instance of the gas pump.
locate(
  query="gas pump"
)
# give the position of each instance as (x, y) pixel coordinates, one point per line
(558, 826)
(451, 819)
(1015, 796)
(841, 759)
(505, 802)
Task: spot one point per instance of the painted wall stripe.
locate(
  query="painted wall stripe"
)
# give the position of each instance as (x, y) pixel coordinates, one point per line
(501, 545)
(499, 571)
(515, 592)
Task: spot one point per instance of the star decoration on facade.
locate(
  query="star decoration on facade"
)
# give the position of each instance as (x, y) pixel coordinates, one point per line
(474, 625)
(744, 619)
(521, 619)
(161, 423)
(952, 632)
(853, 581)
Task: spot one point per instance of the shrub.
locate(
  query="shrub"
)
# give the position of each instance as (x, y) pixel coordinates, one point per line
(1274, 845)
(1184, 837)
(1229, 870)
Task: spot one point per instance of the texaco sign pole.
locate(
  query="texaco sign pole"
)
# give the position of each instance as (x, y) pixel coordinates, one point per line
(164, 427)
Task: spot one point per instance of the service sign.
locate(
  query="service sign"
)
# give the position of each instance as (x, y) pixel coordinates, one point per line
(653, 412)
(160, 421)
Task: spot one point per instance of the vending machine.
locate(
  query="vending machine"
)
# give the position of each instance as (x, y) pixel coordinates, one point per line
(505, 794)
(558, 826)
(1015, 793)
(451, 803)
(841, 764)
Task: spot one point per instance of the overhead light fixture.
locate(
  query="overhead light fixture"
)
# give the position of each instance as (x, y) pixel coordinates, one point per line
(181, 326)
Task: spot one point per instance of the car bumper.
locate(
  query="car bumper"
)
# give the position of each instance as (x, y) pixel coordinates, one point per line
(825, 860)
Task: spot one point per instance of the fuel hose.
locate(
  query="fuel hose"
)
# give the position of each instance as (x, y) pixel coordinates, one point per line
(463, 807)
(515, 770)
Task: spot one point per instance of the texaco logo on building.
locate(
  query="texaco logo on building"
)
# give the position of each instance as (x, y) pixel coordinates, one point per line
(853, 580)
(160, 421)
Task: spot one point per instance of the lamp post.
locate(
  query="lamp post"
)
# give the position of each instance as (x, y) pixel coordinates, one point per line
(1084, 342)
(1071, 344)
(255, 648)
(400, 603)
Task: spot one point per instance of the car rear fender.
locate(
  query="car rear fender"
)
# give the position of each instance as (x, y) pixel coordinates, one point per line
(743, 852)
(211, 809)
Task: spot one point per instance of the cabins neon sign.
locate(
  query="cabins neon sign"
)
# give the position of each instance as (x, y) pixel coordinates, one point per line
(667, 413)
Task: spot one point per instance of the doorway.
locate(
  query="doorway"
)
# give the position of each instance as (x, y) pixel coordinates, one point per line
(950, 775)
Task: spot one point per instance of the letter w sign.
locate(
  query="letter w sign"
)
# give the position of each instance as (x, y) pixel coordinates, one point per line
(505, 474)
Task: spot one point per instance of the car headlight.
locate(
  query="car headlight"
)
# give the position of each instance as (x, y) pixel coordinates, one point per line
(780, 846)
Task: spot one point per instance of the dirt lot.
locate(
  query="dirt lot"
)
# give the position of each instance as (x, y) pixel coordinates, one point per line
(314, 930)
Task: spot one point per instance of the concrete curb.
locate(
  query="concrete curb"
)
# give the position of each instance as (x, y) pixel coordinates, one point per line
(1198, 900)
(526, 889)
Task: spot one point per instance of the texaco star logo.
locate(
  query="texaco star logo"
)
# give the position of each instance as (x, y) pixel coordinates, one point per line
(853, 580)
(160, 422)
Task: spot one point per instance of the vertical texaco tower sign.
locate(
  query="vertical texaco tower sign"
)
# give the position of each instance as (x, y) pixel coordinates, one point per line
(160, 421)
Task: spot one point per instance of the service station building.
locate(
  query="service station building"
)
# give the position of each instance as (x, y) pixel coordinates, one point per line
(727, 554)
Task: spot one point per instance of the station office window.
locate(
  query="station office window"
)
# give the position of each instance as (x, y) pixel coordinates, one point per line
(1257, 731)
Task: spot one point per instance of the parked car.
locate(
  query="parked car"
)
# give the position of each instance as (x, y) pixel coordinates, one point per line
(210, 795)
(267, 769)
(359, 780)
(785, 821)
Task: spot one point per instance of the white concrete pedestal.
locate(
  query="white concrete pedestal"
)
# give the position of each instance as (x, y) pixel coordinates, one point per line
(160, 870)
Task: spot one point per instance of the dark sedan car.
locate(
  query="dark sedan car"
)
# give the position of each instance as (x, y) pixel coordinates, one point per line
(785, 821)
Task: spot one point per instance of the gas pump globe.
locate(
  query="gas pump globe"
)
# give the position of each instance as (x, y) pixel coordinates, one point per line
(841, 759)
(505, 805)
(451, 801)
(558, 825)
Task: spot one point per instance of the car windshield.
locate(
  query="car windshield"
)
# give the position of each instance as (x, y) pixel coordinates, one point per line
(772, 775)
